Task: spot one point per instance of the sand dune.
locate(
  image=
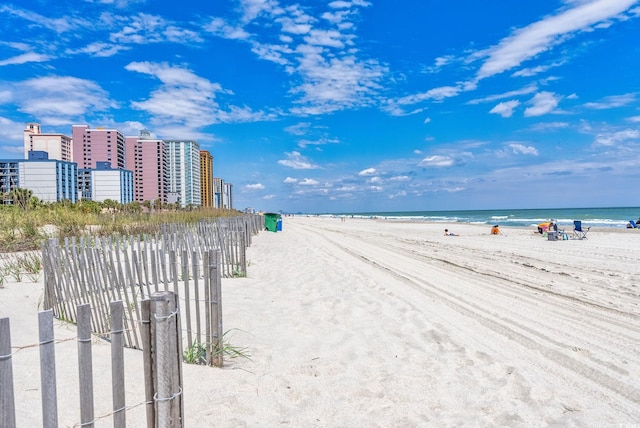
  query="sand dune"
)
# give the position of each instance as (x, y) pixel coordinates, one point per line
(387, 323)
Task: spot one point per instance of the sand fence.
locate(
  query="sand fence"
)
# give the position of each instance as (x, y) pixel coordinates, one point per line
(189, 260)
(136, 292)
(162, 358)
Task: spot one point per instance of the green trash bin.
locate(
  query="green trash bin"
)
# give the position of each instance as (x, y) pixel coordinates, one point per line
(271, 221)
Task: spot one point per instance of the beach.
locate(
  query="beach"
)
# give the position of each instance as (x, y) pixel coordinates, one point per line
(362, 322)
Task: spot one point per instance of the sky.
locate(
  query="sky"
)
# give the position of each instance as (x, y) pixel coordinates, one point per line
(348, 105)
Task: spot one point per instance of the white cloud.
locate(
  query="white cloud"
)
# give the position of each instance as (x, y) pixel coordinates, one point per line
(542, 103)
(634, 119)
(298, 129)
(368, 171)
(427, 120)
(549, 126)
(188, 100)
(144, 28)
(255, 186)
(296, 161)
(530, 41)
(437, 94)
(614, 138)
(329, 72)
(521, 149)
(400, 178)
(100, 49)
(219, 27)
(399, 194)
(528, 72)
(25, 58)
(437, 161)
(505, 109)
(57, 25)
(523, 91)
(290, 180)
(320, 142)
(10, 130)
(308, 182)
(47, 98)
(612, 102)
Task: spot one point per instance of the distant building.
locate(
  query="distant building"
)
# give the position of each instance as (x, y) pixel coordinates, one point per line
(50, 180)
(105, 182)
(183, 162)
(227, 196)
(206, 179)
(147, 158)
(58, 146)
(9, 175)
(97, 145)
(217, 192)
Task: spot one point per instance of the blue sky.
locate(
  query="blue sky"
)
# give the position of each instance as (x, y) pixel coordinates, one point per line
(348, 105)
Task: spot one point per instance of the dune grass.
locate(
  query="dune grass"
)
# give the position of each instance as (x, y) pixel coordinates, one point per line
(24, 229)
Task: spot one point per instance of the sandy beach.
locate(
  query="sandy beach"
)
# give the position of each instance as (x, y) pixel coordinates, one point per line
(371, 323)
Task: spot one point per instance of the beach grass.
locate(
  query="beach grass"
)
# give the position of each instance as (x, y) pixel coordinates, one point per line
(25, 228)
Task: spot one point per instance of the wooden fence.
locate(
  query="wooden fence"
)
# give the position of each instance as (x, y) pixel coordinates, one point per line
(162, 361)
(189, 260)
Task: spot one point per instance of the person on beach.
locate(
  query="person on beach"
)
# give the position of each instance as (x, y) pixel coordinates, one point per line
(447, 233)
(495, 230)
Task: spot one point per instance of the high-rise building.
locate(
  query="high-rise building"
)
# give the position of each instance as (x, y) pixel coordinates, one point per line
(97, 145)
(206, 179)
(147, 158)
(184, 172)
(227, 196)
(58, 146)
(217, 192)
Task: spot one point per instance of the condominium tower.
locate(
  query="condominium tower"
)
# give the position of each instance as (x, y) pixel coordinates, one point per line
(183, 162)
(58, 146)
(97, 145)
(206, 179)
(147, 158)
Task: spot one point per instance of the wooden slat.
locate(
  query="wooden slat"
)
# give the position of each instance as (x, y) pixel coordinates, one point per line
(7, 399)
(117, 365)
(145, 332)
(48, 370)
(85, 365)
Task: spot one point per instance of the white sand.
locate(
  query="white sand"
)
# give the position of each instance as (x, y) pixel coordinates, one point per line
(391, 324)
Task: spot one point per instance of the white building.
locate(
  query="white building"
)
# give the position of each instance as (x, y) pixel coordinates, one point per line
(227, 196)
(105, 183)
(50, 180)
(58, 146)
(183, 163)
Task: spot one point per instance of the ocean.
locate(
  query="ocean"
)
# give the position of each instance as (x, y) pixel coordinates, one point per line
(594, 217)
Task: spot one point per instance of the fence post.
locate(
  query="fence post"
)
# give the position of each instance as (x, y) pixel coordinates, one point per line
(166, 360)
(117, 364)
(85, 365)
(145, 333)
(48, 369)
(215, 281)
(7, 400)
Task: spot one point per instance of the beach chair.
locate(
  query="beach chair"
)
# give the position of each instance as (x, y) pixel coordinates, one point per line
(634, 225)
(580, 232)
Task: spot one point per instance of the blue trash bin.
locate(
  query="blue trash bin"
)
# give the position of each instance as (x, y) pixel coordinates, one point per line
(279, 224)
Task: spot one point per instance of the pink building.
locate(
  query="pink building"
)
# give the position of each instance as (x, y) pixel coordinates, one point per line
(146, 157)
(97, 145)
